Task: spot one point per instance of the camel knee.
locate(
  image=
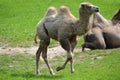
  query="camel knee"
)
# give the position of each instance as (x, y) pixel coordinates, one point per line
(70, 56)
(38, 53)
(44, 56)
(65, 44)
(103, 46)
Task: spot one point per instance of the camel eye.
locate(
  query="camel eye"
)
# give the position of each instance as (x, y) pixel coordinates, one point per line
(89, 6)
(82, 5)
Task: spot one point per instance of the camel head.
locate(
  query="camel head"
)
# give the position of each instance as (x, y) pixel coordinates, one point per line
(85, 11)
(87, 8)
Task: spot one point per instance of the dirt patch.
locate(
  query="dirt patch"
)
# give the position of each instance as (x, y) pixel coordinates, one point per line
(52, 52)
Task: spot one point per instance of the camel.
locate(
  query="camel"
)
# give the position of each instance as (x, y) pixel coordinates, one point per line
(63, 27)
(104, 33)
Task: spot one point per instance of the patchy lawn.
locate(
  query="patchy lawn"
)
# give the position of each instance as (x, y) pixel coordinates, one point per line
(89, 65)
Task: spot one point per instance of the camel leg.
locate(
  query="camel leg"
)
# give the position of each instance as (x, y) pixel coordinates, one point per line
(93, 45)
(44, 55)
(83, 47)
(89, 45)
(37, 59)
(69, 58)
(73, 42)
(65, 43)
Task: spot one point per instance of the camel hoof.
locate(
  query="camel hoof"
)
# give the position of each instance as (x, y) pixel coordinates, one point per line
(59, 68)
(52, 73)
(83, 47)
(72, 71)
(38, 73)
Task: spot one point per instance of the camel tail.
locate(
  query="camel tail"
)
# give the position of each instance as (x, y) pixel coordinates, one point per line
(45, 29)
(35, 38)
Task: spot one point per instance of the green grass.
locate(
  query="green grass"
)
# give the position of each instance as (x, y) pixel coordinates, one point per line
(18, 18)
(88, 66)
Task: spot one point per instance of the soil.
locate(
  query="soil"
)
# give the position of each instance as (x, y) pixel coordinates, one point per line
(52, 52)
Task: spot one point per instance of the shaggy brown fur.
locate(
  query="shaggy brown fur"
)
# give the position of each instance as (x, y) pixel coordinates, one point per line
(63, 27)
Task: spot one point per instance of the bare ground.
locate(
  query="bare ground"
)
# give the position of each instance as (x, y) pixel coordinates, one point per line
(52, 52)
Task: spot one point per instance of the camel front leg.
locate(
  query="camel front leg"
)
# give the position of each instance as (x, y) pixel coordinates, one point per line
(73, 42)
(83, 47)
(65, 43)
(69, 58)
(93, 45)
(89, 45)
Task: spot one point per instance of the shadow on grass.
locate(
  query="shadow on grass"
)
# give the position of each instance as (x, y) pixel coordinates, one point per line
(30, 75)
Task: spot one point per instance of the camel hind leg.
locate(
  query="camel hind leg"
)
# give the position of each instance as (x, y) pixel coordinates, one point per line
(37, 59)
(44, 55)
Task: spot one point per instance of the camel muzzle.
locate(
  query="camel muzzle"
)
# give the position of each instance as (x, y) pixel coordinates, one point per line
(97, 10)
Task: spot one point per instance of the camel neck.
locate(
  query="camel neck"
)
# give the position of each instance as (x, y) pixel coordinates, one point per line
(84, 21)
(83, 24)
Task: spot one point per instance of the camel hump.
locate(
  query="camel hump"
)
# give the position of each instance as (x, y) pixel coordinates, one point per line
(116, 17)
(51, 11)
(65, 10)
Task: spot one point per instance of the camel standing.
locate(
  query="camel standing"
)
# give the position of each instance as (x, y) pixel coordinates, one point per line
(104, 34)
(64, 27)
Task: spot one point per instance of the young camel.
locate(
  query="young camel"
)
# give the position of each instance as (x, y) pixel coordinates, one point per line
(64, 27)
(104, 34)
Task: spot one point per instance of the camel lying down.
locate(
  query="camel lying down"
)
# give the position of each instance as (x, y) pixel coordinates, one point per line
(103, 35)
(63, 27)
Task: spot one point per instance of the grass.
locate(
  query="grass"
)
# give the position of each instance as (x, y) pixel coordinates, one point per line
(89, 65)
(18, 18)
